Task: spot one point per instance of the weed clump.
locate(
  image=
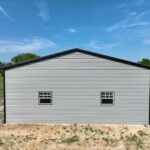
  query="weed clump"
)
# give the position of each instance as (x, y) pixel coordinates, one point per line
(135, 140)
(1, 142)
(141, 133)
(71, 140)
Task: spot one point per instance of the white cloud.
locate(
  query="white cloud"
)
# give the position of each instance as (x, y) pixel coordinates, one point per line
(139, 2)
(132, 20)
(71, 30)
(127, 25)
(139, 16)
(146, 41)
(25, 45)
(132, 13)
(95, 45)
(43, 10)
(3, 11)
(136, 24)
(113, 27)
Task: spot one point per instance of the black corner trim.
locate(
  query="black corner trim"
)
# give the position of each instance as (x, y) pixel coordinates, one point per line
(4, 95)
(149, 100)
(72, 51)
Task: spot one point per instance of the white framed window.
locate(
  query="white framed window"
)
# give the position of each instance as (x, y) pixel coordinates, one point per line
(45, 97)
(107, 98)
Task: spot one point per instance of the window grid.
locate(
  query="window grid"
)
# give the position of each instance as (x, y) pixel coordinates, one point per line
(107, 95)
(45, 97)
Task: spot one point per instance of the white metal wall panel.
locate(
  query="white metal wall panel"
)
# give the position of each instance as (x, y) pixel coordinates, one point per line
(76, 81)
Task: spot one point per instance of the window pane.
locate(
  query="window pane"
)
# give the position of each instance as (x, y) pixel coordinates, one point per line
(111, 94)
(107, 93)
(102, 93)
(107, 101)
(45, 100)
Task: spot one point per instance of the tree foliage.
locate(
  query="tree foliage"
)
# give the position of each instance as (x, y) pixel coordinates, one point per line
(1, 65)
(145, 61)
(23, 57)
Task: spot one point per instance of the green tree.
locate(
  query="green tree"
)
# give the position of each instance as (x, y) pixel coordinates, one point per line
(1, 65)
(23, 57)
(145, 61)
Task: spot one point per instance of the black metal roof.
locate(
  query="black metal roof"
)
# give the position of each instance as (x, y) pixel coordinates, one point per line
(72, 51)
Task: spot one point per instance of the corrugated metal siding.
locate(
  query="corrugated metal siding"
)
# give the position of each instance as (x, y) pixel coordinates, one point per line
(76, 81)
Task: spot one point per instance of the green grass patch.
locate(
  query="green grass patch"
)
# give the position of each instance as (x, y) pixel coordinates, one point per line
(1, 82)
(71, 139)
(136, 140)
(141, 133)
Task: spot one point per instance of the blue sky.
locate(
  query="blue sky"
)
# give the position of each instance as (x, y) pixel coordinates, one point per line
(112, 27)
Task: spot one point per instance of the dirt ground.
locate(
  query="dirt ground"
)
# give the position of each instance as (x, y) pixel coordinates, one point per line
(74, 137)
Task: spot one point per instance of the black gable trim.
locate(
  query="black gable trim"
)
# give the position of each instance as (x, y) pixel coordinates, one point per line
(4, 94)
(52, 56)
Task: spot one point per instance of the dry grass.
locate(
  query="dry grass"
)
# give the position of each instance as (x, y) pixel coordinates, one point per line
(74, 137)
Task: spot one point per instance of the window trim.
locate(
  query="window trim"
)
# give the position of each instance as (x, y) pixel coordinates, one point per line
(45, 103)
(107, 104)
